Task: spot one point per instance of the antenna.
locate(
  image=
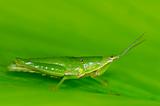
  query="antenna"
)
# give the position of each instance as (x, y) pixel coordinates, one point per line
(134, 44)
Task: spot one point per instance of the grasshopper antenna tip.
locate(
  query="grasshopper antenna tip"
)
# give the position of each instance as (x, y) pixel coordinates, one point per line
(134, 44)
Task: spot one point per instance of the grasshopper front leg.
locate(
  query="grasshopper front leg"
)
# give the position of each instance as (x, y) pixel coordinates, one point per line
(94, 75)
(102, 82)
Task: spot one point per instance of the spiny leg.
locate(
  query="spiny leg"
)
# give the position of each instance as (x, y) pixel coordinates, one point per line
(105, 84)
(95, 75)
(63, 79)
(102, 82)
(60, 83)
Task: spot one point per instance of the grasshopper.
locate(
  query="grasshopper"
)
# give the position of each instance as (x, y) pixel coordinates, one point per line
(67, 67)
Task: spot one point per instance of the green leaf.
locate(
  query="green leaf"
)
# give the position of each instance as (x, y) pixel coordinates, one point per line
(37, 28)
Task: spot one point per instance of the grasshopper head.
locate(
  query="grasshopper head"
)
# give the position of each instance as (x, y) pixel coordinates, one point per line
(112, 58)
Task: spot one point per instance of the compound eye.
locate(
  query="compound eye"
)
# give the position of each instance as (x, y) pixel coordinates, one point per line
(111, 56)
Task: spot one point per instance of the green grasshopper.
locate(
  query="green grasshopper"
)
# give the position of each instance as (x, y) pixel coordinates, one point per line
(69, 67)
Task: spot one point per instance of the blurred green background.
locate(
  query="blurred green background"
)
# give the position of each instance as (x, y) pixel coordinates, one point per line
(38, 28)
